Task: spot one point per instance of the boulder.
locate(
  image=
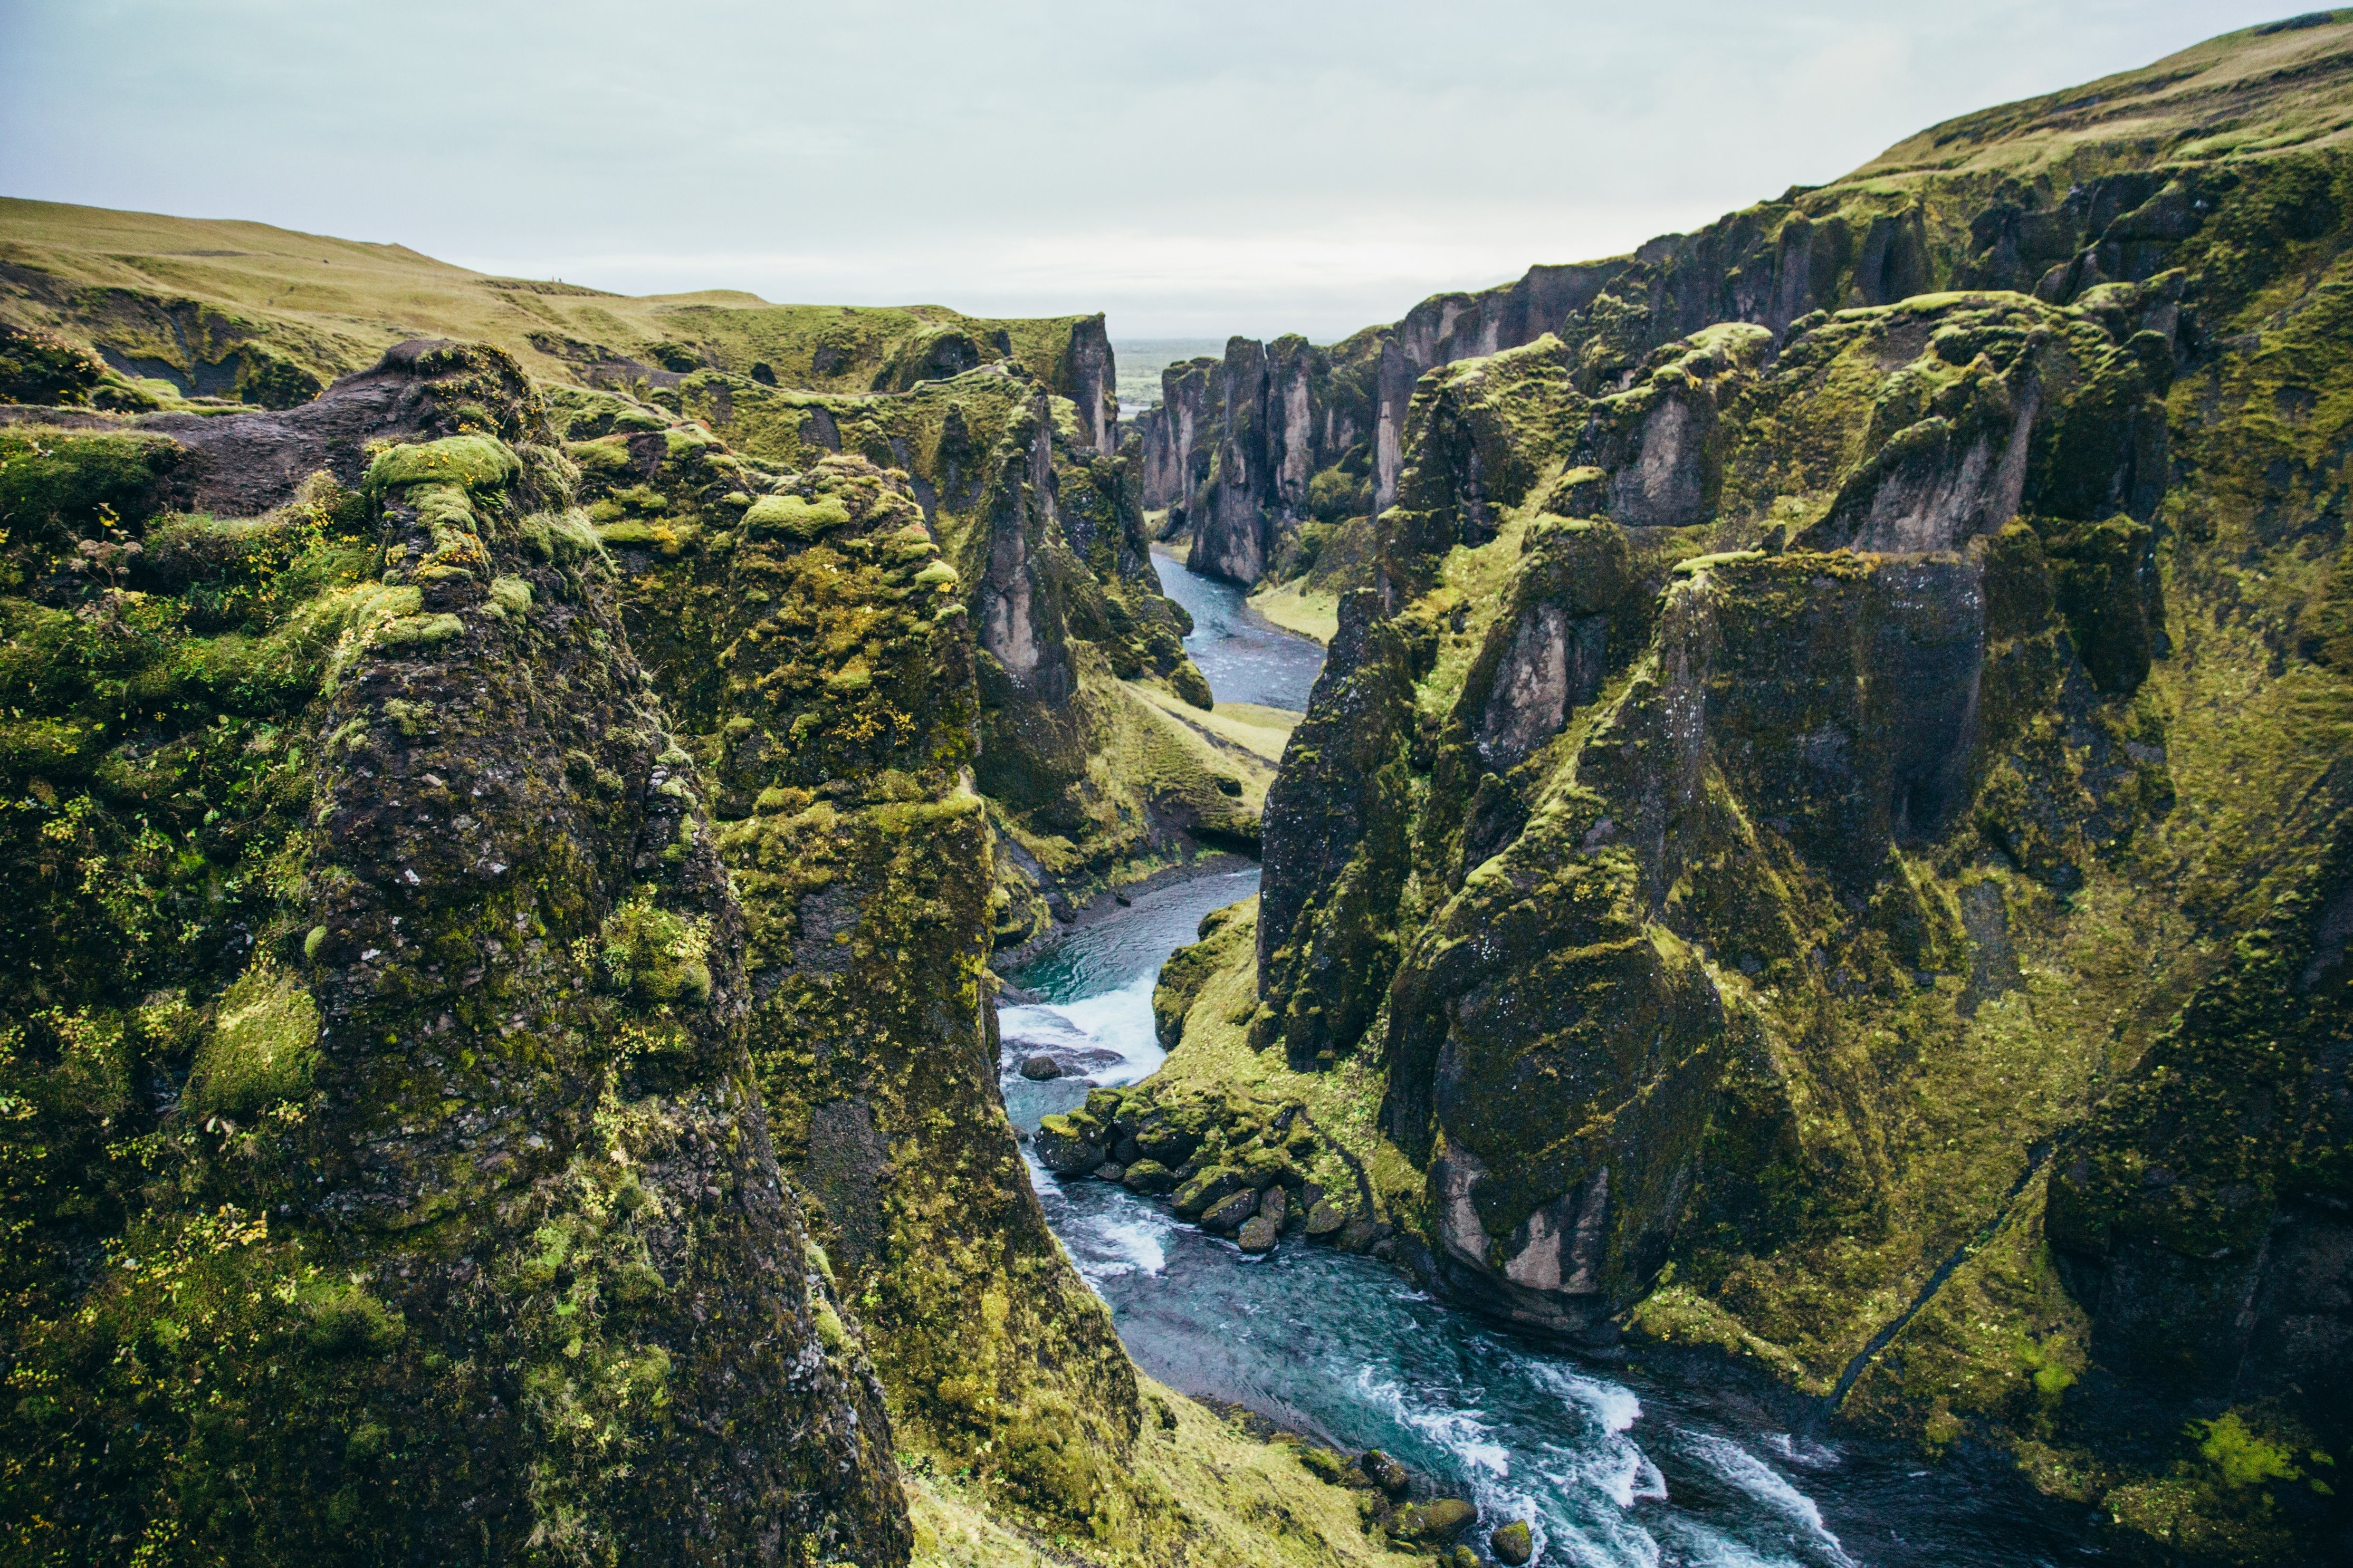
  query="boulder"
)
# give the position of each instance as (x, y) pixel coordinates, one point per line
(1263, 1167)
(1170, 1136)
(1275, 1206)
(1459, 1557)
(1226, 1215)
(1151, 1178)
(1111, 1170)
(1062, 1146)
(1428, 1523)
(1259, 1234)
(1327, 1466)
(1039, 1068)
(1206, 1188)
(1324, 1218)
(1385, 1472)
(1512, 1544)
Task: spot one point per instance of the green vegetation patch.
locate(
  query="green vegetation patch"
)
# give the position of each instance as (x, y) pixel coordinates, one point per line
(262, 1047)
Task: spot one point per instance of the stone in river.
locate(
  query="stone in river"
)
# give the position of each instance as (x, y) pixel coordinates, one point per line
(1039, 1067)
(1385, 1472)
(1063, 1149)
(1226, 1215)
(1259, 1234)
(1150, 1177)
(1511, 1543)
(1206, 1189)
(1274, 1205)
(1432, 1521)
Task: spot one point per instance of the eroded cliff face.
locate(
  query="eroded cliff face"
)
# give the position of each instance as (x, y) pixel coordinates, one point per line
(504, 1059)
(1834, 836)
(1232, 452)
(2054, 197)
(1044, 537)
(388, 1170)
(821, 656)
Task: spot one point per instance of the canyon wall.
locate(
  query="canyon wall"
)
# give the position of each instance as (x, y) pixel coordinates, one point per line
(504, 1059)
(1832, 826)
(1232, 451)
(386, 1167)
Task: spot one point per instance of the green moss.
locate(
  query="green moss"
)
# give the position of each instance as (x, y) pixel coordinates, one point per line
(473, 462)
(511, 594)
(655, 954)
(418, 634)
(2239, 1457)
(39, 367)
(792, 517)
(57, 488)
(262, 1048)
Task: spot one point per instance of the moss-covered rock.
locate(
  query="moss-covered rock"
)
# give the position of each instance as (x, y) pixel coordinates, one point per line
(1830, 828)
(1149, 1177)
(1064, 1148)
(390, 1180)
(1431, 1523)
(262, 1050)
(1512, 1543)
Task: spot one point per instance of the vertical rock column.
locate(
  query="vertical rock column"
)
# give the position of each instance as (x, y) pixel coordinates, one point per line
(538, 1149)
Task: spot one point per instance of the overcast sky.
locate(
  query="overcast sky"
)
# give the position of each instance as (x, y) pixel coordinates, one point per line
(1191, 167)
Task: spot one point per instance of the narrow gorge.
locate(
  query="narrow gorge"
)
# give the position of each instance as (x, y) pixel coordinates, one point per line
(1691, 911)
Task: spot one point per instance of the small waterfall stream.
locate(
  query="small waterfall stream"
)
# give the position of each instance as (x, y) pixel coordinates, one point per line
(1661, 1458)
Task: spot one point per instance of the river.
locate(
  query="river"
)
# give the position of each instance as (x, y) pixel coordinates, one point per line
(1656, 1459)
(1245, 657)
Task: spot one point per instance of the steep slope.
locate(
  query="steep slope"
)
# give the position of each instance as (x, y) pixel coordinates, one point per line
(1831, 828)
(1006, 430)
(1240, 453)
(384, 1167)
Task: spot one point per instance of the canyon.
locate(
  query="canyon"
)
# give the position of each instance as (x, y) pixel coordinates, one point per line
(690, 930)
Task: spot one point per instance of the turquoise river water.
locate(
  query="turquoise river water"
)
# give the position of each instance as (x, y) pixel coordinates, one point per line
(1642, 1461)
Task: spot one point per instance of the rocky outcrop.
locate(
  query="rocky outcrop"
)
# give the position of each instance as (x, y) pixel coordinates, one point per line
(1722, 815)
(455, 1216)
(1250, 1169)
(1088, 377)
(1232, 451)
(1045, 540)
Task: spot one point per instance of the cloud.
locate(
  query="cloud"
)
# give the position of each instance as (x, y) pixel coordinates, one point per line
(1190, 167)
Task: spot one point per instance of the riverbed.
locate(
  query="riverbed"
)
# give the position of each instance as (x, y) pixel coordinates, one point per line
(1639, 1462)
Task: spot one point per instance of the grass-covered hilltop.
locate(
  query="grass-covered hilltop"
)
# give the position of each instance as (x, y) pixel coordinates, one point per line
(1825, 837)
